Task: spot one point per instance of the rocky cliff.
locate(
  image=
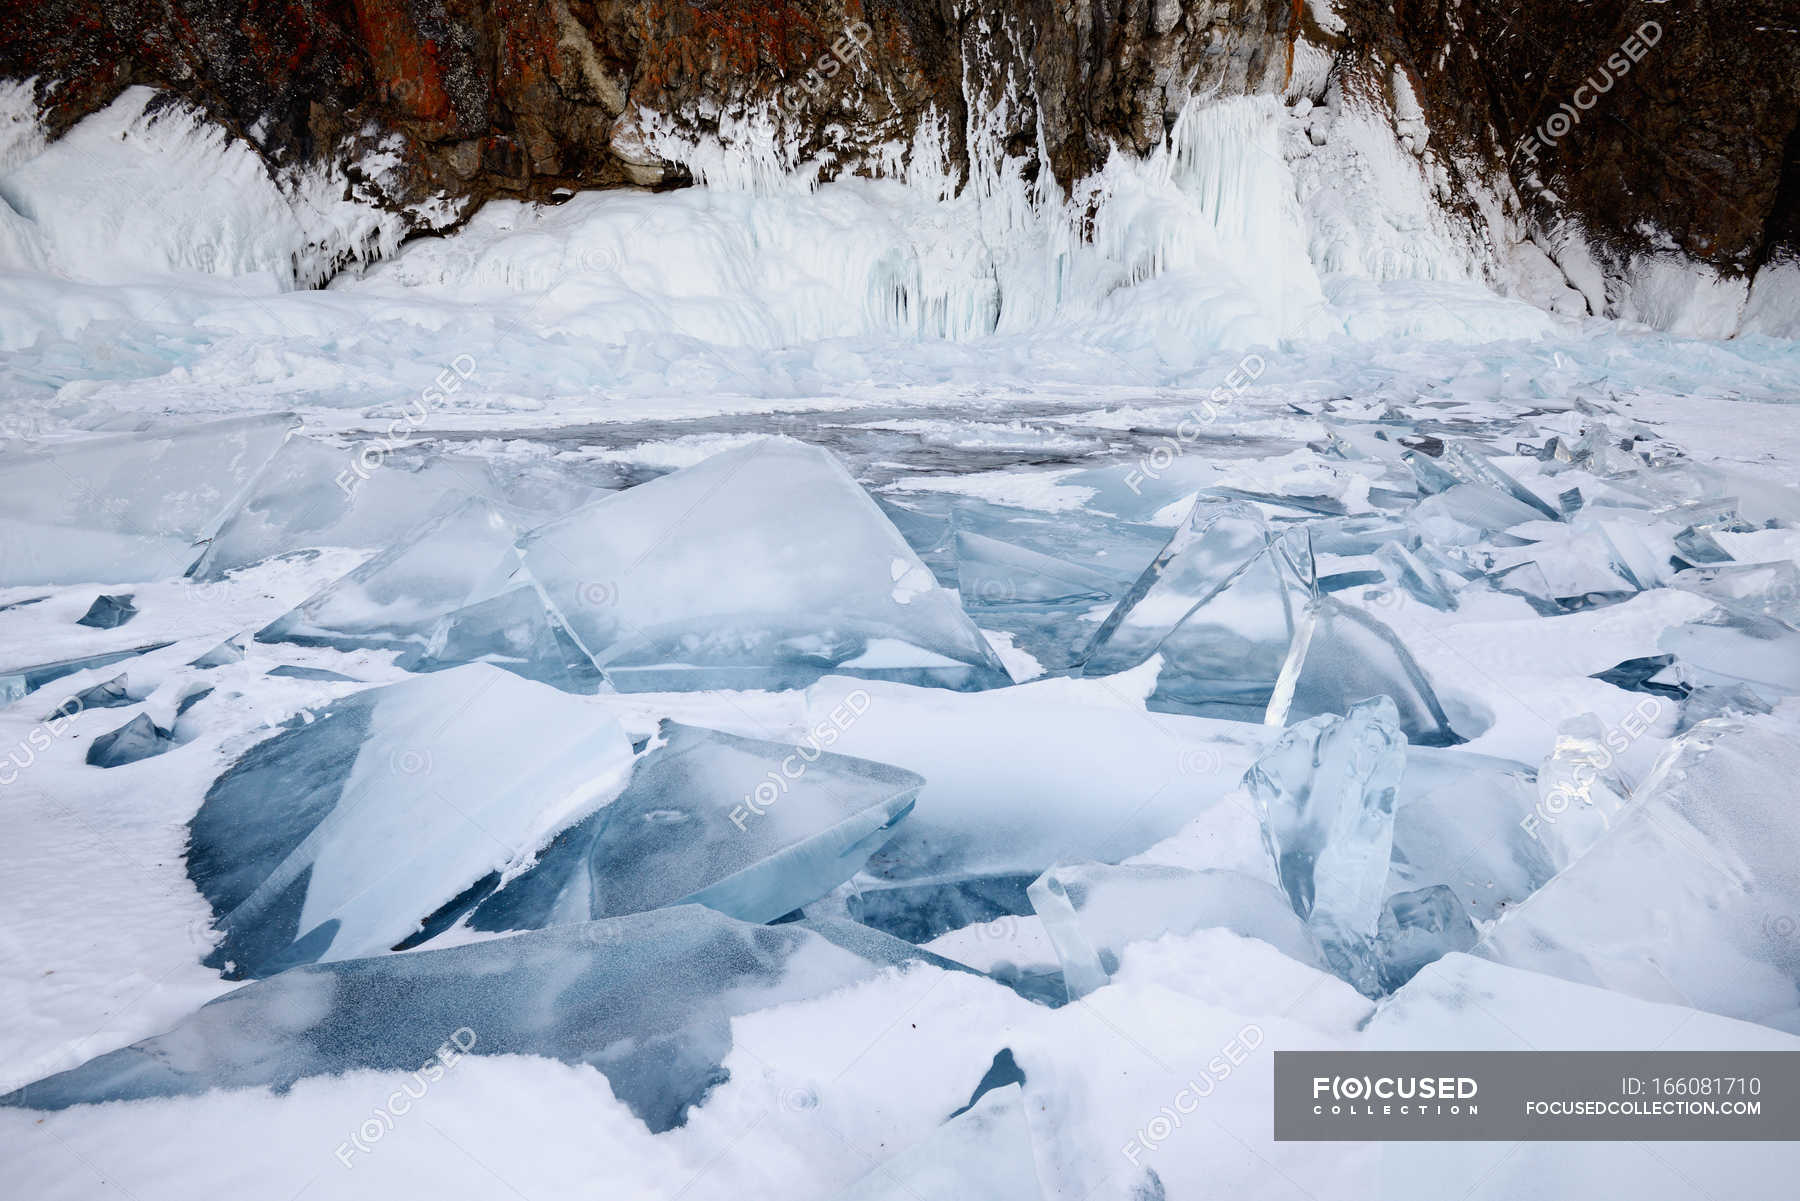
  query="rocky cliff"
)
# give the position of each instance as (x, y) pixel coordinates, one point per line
(1621, 125)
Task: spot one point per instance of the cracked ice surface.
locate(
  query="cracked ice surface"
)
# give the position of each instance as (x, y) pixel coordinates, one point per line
(466, 744)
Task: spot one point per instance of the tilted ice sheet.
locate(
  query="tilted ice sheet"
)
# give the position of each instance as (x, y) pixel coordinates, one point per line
(127, 507)
(764, 566)
(1690, 897)
(753, 829)
(646, 1000)
(448, 592)
(337, 837)
(314, 494)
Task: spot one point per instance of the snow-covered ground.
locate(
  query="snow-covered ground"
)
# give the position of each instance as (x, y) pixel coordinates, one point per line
(1270, 324)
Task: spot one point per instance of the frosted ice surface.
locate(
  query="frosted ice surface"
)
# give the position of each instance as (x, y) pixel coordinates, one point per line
(1326, 793)
(128, 507)
(753, 829)
(1341, 656)
(766, 566)
(645, 1000)
(313, 494)
(1092, 910)
(337, 837)
(452, 592)
(983, 1152)
(1692, 896)
(1473, 823)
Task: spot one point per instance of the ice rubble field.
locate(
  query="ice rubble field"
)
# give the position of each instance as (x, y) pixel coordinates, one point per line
(788, 692)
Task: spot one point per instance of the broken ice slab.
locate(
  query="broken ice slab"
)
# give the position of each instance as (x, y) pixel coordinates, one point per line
(1465, 514)
(139, 738)
(1580, 791)
(128, 507)
(919, 913)
(984, 1151)
(1325, 793)
(766, 566)
(1419, 928)
(1219, 607)
(990, 572)
(1012, 776)
(1470, 465)
(1212, 548)
(108, 694)
(230, 651)
(336, 838)
(753, 829)
(1341, 656)
(1473, 823)
(450, 592)
(1750, 589)
(1728, 650)
(1422, 583)
(1719, 700)
(1092, 910)
(646, 1000)
(108, 612)
(1653, 674)
(25, 680)
(1694, 895)
(313, 494)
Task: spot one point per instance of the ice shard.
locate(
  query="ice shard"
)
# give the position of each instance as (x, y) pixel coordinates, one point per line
(1471, 466)
(108, 694)
(337, 837)
(108, 612)
(1405, 570)
(313, 494)
(647, 1001)
(1325, 794)
(1580, 791)
(766, 566)
(991, 573)
(1341, 656)
(1731, 650)
(1472, 823)
(452, 592)
(753, 829)
(1691, 897)
(984, 1152)
(139, 738)
(1092, 910)
(128, 507)
(1419, 928)
(1220, 606)
(1755, 590)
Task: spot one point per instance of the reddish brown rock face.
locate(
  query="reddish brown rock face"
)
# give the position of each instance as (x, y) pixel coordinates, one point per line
(1698, 137)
